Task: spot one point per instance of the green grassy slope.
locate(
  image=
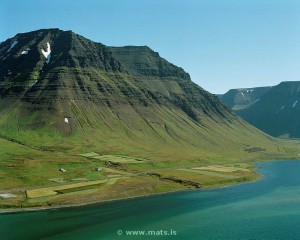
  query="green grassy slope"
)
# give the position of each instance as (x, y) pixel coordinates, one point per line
(156, 132)
(154, 124)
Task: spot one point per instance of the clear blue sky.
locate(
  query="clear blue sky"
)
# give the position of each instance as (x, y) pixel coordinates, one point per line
(223, 44)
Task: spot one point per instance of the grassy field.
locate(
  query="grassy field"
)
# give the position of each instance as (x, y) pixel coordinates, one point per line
(225, 169)
(34, 176)
(49, 191)
(113, 158)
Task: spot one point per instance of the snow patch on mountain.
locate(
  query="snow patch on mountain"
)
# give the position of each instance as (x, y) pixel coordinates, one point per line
(12, 46)
(47, 54)
(25, 52)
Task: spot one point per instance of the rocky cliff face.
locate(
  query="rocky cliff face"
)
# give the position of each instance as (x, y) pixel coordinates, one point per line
(144, 61)
(29, 56)
(168, 81)
(48, 71)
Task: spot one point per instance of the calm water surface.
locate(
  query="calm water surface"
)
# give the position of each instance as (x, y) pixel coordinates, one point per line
(267, 209)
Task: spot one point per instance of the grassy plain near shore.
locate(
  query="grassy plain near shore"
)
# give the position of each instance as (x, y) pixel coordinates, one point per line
(34, 178)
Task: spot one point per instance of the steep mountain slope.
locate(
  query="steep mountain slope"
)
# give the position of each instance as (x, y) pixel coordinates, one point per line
(278, 111)
(56, 83)
(241, 98)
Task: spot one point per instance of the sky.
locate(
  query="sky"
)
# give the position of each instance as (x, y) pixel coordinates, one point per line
(222, 44)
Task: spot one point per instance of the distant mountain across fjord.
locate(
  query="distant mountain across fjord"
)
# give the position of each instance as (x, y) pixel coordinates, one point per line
(274, 110)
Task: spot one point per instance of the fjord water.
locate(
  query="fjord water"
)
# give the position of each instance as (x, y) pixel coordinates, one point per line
(266, 209)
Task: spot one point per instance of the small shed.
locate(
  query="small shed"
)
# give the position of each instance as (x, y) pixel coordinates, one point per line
(62, 170)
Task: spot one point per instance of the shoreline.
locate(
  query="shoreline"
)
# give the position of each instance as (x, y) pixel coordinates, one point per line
(33, 209)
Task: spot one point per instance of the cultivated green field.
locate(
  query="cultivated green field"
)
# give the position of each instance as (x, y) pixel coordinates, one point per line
(49, 191)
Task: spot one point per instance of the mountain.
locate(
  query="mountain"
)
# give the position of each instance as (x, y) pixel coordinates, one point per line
(277, 112)
(56, 84)
(69, 105)
(241, 98)
(79, 74)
